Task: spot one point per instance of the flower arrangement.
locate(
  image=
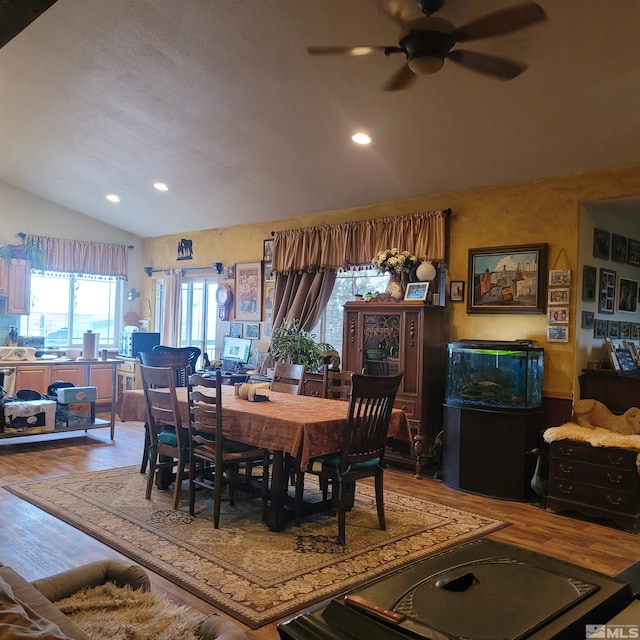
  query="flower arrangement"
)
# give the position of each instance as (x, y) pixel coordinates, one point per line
(395, 261)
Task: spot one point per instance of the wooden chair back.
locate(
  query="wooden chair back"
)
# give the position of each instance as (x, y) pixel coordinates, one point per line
(163, 415)
(336, 384)
(288, 378)
(364, 436)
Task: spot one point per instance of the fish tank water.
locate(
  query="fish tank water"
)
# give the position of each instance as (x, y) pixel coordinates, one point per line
(488, 374)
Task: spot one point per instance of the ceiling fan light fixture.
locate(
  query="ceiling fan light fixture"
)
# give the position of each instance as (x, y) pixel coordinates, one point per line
(426, 65)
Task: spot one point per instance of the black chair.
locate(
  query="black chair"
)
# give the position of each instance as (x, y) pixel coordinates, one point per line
(168, 439)
(193, 354)
(361, 454)
(215, 462)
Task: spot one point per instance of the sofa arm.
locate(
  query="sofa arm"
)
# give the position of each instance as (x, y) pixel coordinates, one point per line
(216, 627)
(93, 574)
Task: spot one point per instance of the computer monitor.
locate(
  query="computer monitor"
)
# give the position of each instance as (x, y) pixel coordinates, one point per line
(234, 352)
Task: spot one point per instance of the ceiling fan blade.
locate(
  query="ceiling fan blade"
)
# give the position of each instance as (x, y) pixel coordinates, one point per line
(501, 68)
(352, 51)
(401, 79)
(500, 22)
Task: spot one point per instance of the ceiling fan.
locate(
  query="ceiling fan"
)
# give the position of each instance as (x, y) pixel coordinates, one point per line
(426, 42)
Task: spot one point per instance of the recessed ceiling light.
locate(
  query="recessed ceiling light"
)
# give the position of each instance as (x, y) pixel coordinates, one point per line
(361, 138)
(112, 197)
(161, 186)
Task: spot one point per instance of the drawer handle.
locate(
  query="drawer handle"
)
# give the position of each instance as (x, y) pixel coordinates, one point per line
(614, 501)
(617, 461)
(566, 469)
(614, 479)
(566, 451)
(566, 490)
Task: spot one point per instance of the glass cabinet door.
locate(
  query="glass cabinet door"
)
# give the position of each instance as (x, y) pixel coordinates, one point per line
(381, 343)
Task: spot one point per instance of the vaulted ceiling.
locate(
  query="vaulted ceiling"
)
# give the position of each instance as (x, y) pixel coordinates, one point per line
(220, 100)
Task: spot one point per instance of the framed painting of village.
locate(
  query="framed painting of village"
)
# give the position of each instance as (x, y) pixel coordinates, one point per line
(509, 279)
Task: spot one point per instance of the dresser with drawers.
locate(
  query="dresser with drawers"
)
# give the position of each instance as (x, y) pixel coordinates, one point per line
(597, 482)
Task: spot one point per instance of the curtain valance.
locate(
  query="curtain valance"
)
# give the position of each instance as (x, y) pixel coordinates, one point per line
(341, 246)
(81, 256)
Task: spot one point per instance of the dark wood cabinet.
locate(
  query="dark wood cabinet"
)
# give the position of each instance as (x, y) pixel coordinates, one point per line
(595, 481)
(485, 451)
(383, 338)
(618, 392)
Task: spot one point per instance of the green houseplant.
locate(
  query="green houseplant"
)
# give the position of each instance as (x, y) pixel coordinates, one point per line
(293, 344)
(28, 249)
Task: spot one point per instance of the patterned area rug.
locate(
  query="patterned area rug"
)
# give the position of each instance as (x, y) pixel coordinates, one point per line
(255, 575)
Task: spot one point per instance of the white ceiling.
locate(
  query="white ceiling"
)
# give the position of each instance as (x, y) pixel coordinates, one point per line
(219, 99)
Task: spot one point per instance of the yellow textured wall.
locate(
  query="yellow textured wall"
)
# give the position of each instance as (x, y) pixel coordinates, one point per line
(528, 213)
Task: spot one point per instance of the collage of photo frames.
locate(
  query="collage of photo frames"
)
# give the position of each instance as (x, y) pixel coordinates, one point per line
(611, 293)
(559, 295)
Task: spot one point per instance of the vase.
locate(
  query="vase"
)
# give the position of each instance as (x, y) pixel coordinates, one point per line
(395, 287)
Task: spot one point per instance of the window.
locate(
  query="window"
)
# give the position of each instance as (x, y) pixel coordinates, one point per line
(199, 314)
(347, 284)
(65, 306)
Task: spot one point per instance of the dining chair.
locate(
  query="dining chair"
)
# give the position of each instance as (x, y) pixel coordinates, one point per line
(168, 439)
(336, 385)
(215, 462)
(361, 453)
(193, 354)
(288, 378)
(179, 362)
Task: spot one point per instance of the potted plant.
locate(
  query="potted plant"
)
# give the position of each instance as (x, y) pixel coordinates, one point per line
(28, 249)
(295, 345)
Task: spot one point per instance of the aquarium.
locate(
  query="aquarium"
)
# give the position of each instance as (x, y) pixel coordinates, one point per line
(487, 374)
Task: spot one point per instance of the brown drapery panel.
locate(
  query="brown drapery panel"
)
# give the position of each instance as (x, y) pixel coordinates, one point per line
(81, 256)
(351, 244)
(302, 296)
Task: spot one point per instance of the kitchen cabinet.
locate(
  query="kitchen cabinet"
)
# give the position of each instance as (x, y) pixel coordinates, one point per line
(15, 286)
(101, 377)
(384, 338)
(127, 375)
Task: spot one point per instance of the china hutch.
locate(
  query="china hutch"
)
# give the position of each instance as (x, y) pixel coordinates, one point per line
(387, 337)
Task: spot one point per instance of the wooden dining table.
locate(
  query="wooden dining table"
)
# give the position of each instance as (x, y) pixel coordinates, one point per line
(302, 426)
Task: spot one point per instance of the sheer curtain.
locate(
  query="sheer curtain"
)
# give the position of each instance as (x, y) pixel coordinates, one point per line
(171, 307)
(306, 260)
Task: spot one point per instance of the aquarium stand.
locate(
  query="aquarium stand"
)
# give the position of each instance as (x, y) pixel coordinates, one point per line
(485, 451)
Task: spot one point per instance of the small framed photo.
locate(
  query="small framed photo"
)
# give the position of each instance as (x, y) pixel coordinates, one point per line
(627, 295)
(558, 315)
(588, 319)
(235, 330)
(267, 250)
(606, 291)
(633, 252)
(557, 333)
(416, 291)
(613, 328)
(252, 330)
(625, 330)
(589, 276)
(601, 244)
(618, 248)
(456, 291)
(635, 331)
(600, 328)
(229, 273)
(559, 277)
(559, 296)
(267, 270)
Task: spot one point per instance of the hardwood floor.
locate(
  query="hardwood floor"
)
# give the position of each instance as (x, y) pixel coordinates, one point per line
(36, 544)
